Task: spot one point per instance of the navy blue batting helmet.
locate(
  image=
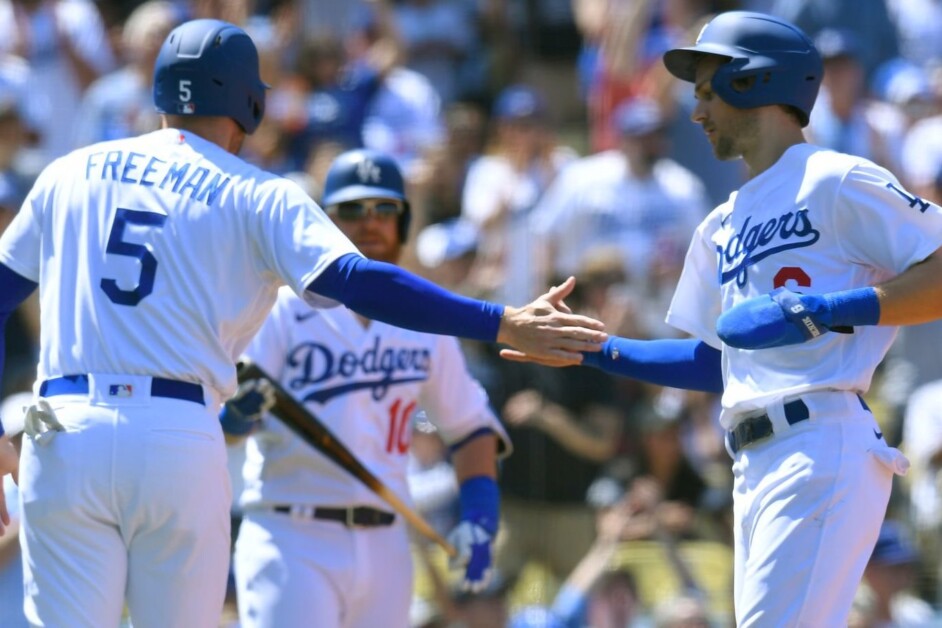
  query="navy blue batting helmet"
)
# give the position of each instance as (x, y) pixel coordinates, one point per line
(787, 66)
(363, 173)
(210, 68)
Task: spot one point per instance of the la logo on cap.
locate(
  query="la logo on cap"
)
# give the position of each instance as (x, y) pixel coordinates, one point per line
(367, 171)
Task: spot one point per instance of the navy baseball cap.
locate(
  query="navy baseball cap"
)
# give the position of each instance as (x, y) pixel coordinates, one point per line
(519, 102)
(638, 116)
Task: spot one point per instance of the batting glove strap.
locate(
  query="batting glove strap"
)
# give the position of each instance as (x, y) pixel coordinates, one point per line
(251, 401)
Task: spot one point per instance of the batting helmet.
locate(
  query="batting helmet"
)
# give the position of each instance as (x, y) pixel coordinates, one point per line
(210, 68)
(787, 66)
(363, 173)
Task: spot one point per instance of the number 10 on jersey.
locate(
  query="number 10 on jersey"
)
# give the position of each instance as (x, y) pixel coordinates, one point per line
(399, 436)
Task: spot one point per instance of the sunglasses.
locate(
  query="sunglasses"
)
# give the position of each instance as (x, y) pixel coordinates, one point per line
(358, 210)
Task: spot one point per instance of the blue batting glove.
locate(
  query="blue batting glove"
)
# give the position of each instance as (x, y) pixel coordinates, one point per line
(473, 536)
(783, 317)
(252, 400)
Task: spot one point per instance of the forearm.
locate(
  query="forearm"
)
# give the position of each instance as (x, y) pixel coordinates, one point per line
(683, 363)
(914, 296)
(365, 287)
(558, 423)
(476, 457)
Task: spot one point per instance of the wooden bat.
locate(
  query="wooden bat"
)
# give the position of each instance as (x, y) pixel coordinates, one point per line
(312, 431)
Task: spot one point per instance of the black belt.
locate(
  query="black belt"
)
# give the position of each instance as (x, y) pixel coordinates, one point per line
(159, 387)
(355, 517)
(757, 428)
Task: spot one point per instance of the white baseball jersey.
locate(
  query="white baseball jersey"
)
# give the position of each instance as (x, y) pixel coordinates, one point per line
(364, 384)
(816, 222)
(134, 281)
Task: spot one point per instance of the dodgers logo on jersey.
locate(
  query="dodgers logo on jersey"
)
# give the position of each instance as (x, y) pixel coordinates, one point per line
(753, 243)
(377, 368)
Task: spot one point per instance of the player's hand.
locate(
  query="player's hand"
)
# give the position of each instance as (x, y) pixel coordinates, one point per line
(252, 400)
(777, 319)
(473, 544)
(545, 331)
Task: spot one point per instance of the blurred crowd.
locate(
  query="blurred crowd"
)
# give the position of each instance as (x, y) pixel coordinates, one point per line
(540, 139)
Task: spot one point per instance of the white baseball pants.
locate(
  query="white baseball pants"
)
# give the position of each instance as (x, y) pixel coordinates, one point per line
(808, 506)
(293, 573)
(131, 502)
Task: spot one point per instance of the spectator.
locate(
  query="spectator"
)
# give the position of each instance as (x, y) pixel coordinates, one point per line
(633, 198)
(121, 103)
(505, 185)
(441, 180)
(890, 575)
(404, 118)
(843, 118)
(327, 96)
(869, 19)
(681, 612)
(447, 252)
(922, 440)
(14, 184)
(565, 425)
(919, 26)
(438, 37)
(66, 47)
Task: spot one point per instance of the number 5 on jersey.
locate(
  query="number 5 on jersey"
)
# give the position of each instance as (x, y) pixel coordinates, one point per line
(118, 246)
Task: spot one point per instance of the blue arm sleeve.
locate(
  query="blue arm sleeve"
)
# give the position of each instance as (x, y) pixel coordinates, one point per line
(387, 293)
(686, 363)
(14, 288)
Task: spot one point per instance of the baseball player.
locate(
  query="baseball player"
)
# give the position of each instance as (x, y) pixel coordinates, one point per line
(158, 258)
(815, 243)
(312, 535)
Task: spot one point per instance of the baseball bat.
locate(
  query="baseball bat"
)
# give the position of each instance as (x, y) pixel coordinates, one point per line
(312, 431)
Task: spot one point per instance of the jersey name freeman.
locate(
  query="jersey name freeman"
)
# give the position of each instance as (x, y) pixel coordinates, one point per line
(182, 177)
(319, 364)
(791, 230)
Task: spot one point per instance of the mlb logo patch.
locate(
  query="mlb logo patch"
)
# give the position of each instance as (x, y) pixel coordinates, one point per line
(120, 390)
(188, 108)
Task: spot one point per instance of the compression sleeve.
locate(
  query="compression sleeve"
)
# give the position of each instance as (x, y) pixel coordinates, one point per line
(387, 293)
(689, 363)
(14, 289)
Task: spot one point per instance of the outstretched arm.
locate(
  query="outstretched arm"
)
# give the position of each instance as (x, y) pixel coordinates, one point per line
(385, 292)
(688, 363)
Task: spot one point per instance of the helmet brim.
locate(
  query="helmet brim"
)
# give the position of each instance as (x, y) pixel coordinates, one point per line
(682, 62)
(359, 192)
